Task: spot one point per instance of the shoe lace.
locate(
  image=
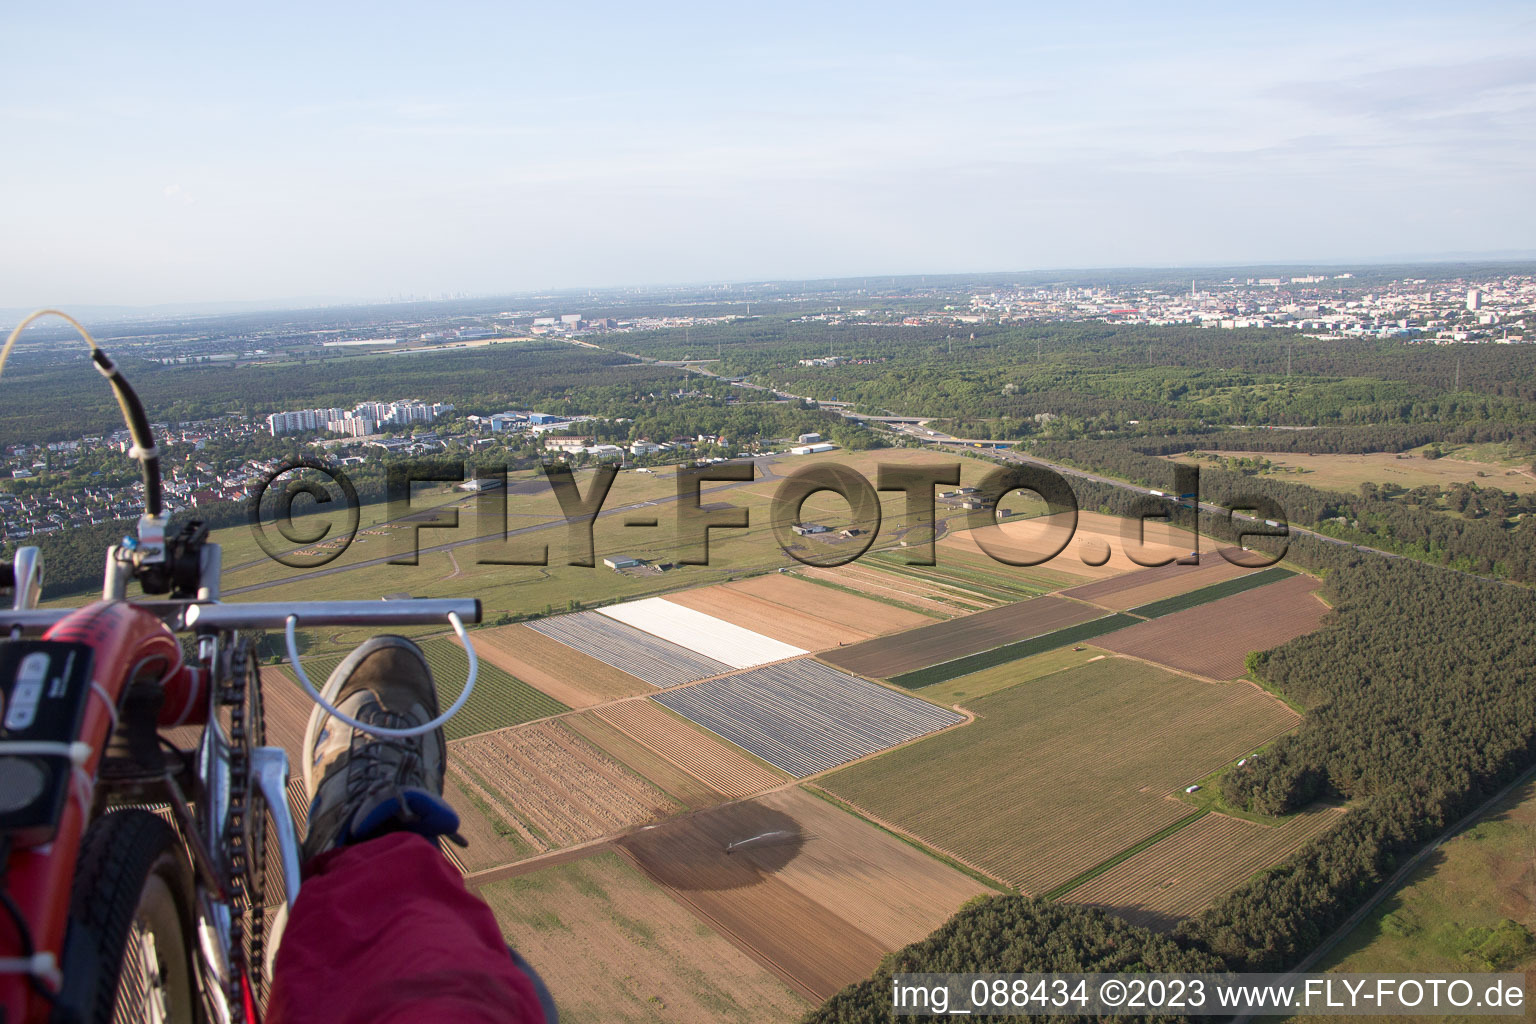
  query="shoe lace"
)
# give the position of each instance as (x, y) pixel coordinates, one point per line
(380, 764)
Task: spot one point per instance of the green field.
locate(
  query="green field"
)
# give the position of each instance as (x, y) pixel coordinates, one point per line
(1000, 677)
(1013, 652)
(1057, 776)
(1031, 577)
(1214, 592)
(499, 699)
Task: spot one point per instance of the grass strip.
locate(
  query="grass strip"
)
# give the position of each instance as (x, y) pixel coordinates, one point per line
(948, 670)
(1124, 855)
(1214, 592)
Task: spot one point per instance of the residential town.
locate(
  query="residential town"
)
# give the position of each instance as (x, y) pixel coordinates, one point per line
(1500, 310)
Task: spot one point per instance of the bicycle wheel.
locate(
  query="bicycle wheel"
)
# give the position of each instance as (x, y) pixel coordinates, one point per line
(128, 949)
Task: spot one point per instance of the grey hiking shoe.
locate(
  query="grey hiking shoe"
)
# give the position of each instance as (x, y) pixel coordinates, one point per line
(365, 785)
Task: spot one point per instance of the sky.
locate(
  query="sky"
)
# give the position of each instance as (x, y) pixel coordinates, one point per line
(163, 153)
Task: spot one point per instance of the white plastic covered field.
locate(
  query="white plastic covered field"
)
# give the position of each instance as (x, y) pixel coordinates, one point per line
(704, 634)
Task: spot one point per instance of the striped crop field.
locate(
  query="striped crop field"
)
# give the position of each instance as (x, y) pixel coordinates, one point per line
(542, 787)
(920, 648)
(499, 699)
(796, 624)
(723, 768)
(1061, 774)
(813, 891)
(562, 672)
(1194, 867)
(641, 654)
(1013, 652)
(1143, 586)
(701, 633)
(1214, 592)
(805, 717)
(999, 585)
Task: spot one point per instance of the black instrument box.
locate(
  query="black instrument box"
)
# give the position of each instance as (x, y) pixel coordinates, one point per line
(46, 685)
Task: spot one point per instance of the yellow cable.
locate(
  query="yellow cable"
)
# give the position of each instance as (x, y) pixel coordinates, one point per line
(5, 353)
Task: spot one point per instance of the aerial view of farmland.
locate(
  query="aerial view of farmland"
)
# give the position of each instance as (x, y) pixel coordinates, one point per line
(817, 766)
(790, 753)
(766, 515)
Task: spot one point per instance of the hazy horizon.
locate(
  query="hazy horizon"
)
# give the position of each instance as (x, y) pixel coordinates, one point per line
(189, 155)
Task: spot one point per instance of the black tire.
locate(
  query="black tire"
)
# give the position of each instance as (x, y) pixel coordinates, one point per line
(133, 880)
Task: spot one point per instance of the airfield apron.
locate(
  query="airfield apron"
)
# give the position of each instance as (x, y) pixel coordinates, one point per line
(386, 931)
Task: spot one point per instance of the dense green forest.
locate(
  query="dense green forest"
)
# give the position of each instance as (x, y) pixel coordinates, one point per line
(738, 421)
(1005, 375)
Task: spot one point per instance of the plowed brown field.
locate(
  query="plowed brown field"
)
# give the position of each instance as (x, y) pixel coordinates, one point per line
(1077, 766)
(813, 892)
(1134, 589)
(1200, 863)
(944, 641)
(801, 627)
(566, 674)
(848, 610)
(1213, 640)
(723, 768)
(285, 708)
(614, 946)
(680, 785)
(543, 788)
(1096, 535)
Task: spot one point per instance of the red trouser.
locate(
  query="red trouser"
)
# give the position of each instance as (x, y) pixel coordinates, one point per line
(386, 931)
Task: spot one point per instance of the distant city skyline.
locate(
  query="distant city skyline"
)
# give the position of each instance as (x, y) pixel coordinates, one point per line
(345, 152)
